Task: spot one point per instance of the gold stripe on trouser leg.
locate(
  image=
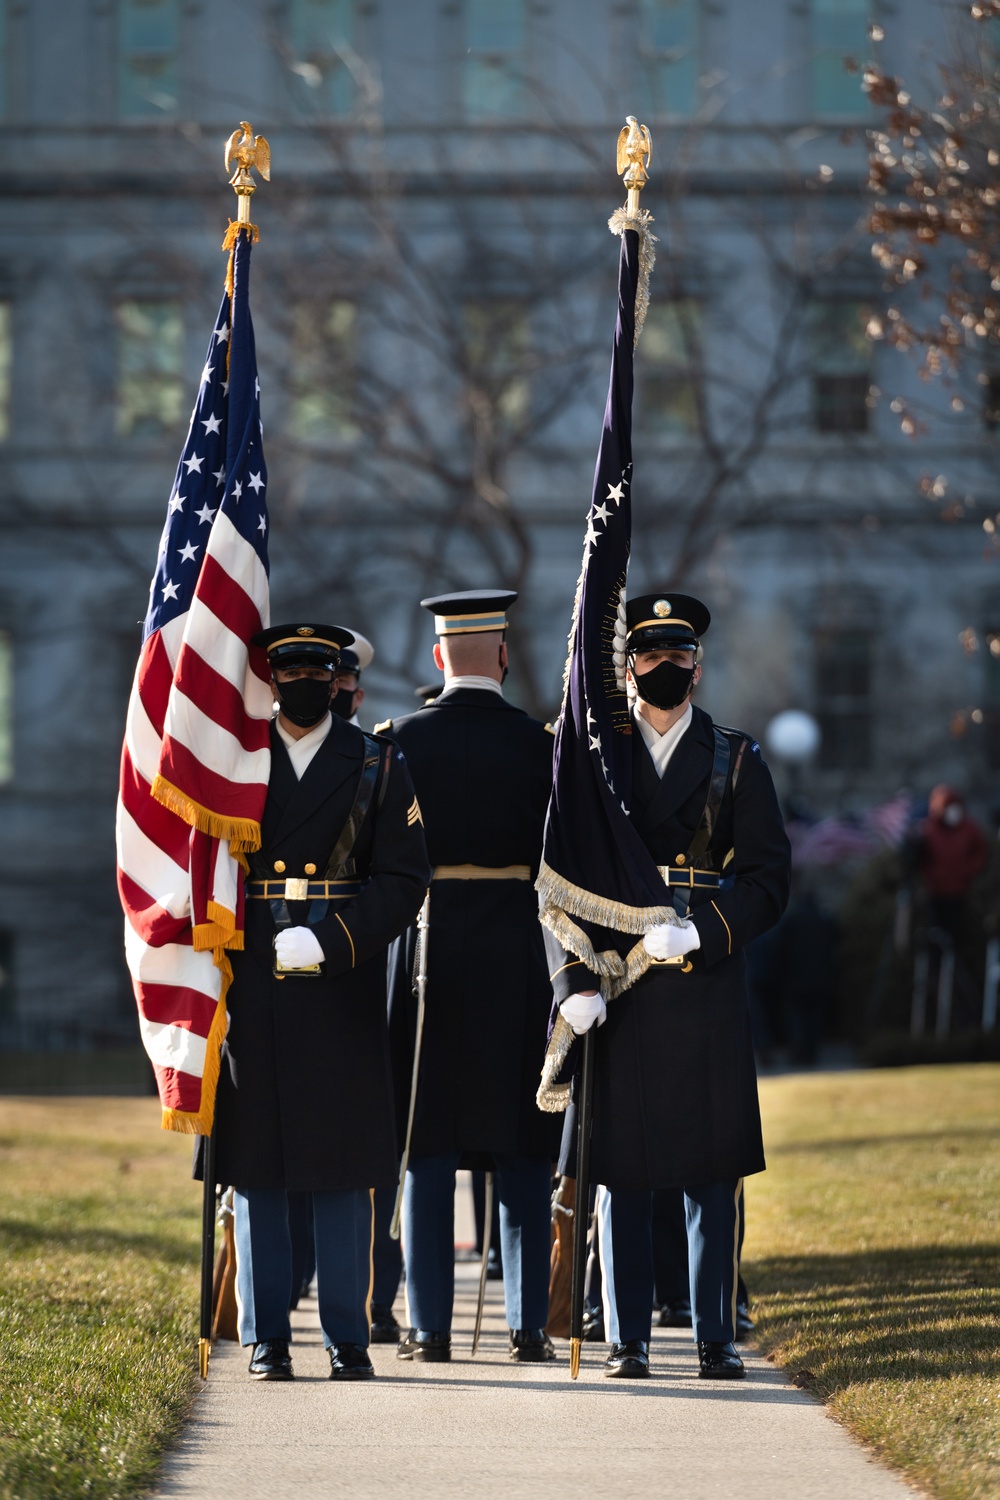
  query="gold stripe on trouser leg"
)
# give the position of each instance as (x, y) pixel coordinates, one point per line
(371, 1265)
(736, 1248)
(406, 1279)
(605, 1278)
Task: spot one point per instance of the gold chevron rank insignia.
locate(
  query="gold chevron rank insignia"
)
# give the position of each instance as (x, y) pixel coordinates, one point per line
(413, 814)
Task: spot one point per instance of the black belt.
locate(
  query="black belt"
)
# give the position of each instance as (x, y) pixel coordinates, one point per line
(706, 880)
(302, 890)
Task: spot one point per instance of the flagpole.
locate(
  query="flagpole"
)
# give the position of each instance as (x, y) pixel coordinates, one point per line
(248, 152)
(207, 1255)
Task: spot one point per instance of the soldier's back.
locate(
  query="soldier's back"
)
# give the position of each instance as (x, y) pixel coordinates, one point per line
(482, 770)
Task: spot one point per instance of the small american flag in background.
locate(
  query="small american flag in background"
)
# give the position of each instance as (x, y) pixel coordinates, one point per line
(196, 757)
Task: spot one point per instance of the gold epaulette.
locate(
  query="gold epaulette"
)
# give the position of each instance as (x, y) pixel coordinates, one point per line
(381, 728)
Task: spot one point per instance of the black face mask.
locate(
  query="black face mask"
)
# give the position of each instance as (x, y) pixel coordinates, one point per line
(666, 686)
(304, 700)
(342, 703)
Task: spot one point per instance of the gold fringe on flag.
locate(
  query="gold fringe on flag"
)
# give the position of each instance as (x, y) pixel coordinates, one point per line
(559, 894)
(182, 1121)
(243, 834)
(621, 220)
(554, 1097)
(229, 243)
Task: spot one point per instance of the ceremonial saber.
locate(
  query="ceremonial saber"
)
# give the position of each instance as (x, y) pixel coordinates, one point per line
(207, 1255)
(484, 1263)
(420, 965)
(585, 1107)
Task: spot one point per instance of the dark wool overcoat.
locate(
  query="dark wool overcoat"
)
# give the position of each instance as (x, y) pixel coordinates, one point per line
(483, 773)
(305, 1092)
(675, 1086)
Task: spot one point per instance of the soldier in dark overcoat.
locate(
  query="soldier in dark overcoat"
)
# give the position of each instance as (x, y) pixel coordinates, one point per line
(305, 1094)
(483, 773)
(675, 1094)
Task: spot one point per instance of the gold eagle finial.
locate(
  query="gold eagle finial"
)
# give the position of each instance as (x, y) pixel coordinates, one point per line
(634, 152)
(247, 150)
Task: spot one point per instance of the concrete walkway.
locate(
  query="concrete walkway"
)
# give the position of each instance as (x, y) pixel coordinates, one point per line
(490, 1429)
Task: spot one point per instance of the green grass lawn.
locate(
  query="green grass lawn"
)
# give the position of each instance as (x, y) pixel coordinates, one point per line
(872, 1253)
(873, 1256)
(99, 1235)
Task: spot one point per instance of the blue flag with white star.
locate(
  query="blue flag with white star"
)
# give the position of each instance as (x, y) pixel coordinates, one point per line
(600, 888)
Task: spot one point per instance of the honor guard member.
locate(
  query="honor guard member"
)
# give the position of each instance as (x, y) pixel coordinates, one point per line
(305, 1092)
(483, 773)
(349, 694)
(675, 1092)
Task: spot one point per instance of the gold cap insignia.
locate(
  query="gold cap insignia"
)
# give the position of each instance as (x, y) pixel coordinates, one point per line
(661, 609)
(305, 630)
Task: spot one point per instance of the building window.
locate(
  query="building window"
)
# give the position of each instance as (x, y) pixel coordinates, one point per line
(6, 708)
(669, 56)
(844, 699)
(839, 37)
(148, 58)
(150, 395)
(497, 355)
(667, 385)
(7, 1006)
(840, 355)
(323, 373)
(323, 41)
(990, 381)
(3, 60)
(991, 698)
(493, 63)
(6, 360)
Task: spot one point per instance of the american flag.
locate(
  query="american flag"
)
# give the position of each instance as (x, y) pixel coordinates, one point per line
(196, 757)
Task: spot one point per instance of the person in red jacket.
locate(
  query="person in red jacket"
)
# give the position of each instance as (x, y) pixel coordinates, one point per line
(952, 851)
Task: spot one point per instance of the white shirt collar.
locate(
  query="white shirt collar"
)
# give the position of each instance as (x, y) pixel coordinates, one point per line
(489, 684)
(662, 746)
(301, 751)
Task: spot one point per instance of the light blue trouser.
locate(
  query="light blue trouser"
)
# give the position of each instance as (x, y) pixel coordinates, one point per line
(343, 1230)
(626, 1240)
(523, 1185)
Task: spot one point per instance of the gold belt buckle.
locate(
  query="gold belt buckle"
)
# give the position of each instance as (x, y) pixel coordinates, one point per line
(297, 889)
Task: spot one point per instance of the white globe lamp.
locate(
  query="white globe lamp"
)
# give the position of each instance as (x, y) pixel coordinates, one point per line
(792, 737)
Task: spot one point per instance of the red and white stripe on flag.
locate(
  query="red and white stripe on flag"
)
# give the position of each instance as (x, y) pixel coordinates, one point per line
(196, 757)
(200, 703)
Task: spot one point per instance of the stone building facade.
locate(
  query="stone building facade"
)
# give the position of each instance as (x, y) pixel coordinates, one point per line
(433, 294)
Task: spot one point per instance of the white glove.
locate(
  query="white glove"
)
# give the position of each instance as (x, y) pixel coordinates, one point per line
(671, 940)
(297, 948)
(581, 1011)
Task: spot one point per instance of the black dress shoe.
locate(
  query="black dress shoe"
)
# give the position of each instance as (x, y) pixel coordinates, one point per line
(593, 1326)
(719, 1361)
(385, 1329)
(629, 1361)
(429, 1348)
(744, 1322)
(531, 1346)
(675, 1314)
(350, 1362)
(271, 1360)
